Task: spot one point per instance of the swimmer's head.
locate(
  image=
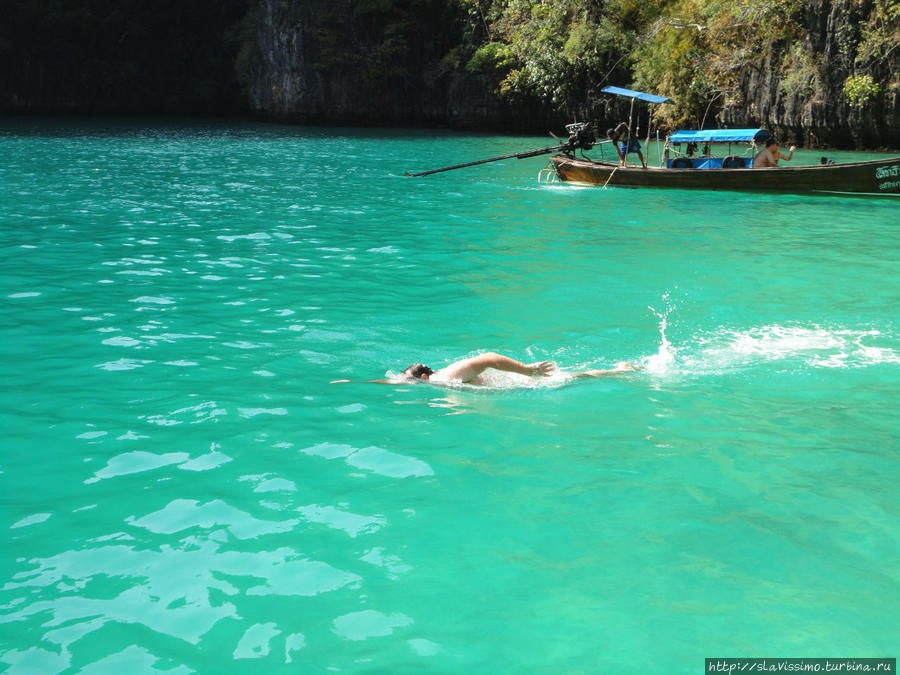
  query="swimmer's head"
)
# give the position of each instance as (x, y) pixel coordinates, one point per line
(418, 371)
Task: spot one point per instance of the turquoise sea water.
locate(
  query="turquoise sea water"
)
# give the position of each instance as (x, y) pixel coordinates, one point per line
(184, 491)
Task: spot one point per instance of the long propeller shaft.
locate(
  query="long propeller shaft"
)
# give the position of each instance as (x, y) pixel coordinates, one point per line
(517, 155)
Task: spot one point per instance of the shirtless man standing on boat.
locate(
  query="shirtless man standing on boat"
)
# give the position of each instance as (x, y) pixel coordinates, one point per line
(624, 143)
(469, 371)
(769, 155)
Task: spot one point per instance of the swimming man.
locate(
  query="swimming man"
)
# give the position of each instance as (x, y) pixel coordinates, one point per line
(469, 371)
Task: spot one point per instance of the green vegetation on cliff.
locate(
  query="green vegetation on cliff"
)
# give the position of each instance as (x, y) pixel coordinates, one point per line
(707, 55)
(818, 71)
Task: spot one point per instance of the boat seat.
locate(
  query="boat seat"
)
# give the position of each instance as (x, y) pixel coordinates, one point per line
(734, 162)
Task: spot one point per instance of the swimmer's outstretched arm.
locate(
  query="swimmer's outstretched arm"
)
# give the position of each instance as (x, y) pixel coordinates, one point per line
(623, 367)
(468, 369)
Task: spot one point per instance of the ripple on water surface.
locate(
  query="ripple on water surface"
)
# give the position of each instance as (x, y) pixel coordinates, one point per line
(184, 490)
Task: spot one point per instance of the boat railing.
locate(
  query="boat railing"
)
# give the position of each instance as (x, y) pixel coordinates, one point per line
(548, 174)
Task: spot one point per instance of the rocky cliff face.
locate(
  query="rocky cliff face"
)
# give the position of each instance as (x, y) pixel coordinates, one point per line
(120, 57)
(390, 62)
(798, 91)
(365, 62)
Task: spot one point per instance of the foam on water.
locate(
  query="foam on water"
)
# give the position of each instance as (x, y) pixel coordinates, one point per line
(724, 350)
(802, 346)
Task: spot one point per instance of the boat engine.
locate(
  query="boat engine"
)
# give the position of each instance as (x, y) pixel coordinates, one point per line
(581, 135)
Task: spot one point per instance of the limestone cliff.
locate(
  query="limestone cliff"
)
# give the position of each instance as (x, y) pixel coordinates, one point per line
(120, 57)
(798, 89)
(365, 63)
(828, 76)
(397, 62)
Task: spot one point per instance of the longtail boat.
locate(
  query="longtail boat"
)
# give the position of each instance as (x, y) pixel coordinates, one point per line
(705, 170)
(731, 172)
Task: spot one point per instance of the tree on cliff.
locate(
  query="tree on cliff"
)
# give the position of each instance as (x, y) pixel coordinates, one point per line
(816, 71)
(822, 71)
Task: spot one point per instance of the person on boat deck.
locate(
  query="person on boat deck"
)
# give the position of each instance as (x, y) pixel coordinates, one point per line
(469, 370)
(769, 155)
(624, 143)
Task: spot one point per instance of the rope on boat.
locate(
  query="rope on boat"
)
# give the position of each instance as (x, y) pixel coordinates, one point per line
(613, 173)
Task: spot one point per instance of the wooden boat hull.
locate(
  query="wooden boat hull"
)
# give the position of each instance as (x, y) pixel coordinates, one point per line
(880, 177)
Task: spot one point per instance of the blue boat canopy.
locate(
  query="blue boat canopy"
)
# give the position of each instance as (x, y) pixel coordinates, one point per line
(641, 96)
(719, 136)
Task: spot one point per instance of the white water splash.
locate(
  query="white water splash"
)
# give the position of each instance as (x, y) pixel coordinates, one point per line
(811, 346)
(726, 349)
(664, 360)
